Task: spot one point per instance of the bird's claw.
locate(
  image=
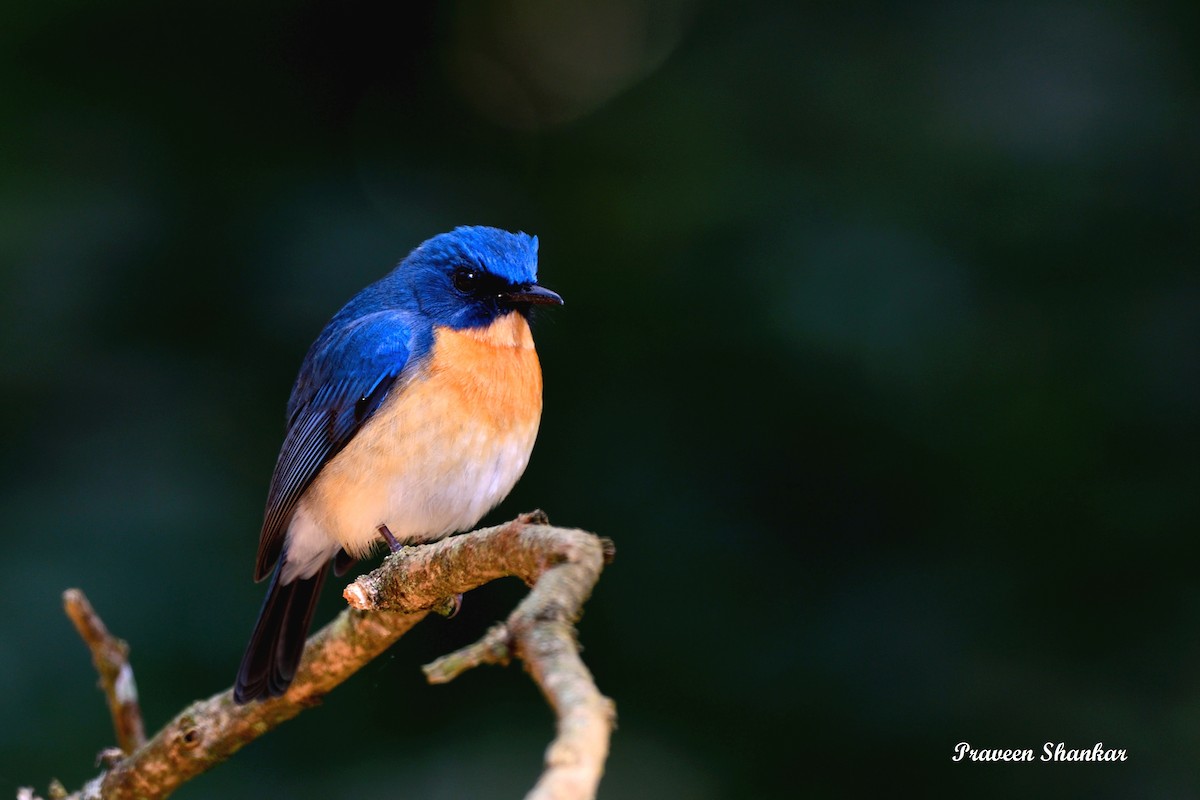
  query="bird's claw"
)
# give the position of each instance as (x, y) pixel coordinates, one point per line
(450, 606)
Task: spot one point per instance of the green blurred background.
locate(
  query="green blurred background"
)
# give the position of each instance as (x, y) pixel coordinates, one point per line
(879, 363)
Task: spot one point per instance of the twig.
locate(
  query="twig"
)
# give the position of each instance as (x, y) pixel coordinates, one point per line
(493, 648)
(210, 731)
(111, 657)
(564, 564)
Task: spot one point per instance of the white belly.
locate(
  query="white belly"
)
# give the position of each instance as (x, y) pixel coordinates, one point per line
(438, 455)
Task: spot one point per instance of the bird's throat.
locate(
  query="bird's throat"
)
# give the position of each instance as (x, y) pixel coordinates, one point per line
(509, 330)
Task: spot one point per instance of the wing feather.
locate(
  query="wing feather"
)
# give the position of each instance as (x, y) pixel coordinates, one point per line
(344, 379)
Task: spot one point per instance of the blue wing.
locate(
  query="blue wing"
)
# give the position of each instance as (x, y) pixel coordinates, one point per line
(344, 379)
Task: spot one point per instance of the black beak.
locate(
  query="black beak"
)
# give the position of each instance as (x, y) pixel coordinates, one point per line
(534, 295)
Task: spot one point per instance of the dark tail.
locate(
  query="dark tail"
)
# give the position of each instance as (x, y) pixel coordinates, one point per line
(278, 640)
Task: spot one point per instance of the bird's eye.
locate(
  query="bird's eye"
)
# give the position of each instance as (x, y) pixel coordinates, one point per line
(465, 280)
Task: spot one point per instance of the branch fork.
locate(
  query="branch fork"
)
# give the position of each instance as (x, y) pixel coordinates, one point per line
(561, 566)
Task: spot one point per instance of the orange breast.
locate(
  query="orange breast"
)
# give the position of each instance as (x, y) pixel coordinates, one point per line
(439, 453)
(494, 371)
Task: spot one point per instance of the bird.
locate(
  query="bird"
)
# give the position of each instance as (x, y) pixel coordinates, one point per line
(414, 413)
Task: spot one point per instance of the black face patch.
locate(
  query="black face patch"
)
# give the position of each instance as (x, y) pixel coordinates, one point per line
(479, 284)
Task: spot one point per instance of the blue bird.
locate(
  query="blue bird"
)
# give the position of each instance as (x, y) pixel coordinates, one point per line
(414, 414)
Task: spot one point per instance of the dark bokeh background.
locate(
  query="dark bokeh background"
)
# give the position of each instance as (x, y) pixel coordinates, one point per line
(879, 362)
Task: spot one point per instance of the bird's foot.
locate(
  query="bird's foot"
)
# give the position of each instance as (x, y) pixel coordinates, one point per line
(392, 542)
(450, 606)
(535, 517)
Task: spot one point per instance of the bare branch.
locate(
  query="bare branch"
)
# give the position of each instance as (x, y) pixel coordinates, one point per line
(493, 648)
(111, 657)
(210, 731)
(561, 564)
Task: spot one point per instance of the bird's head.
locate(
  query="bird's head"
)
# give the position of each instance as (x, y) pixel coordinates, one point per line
(469, 277)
